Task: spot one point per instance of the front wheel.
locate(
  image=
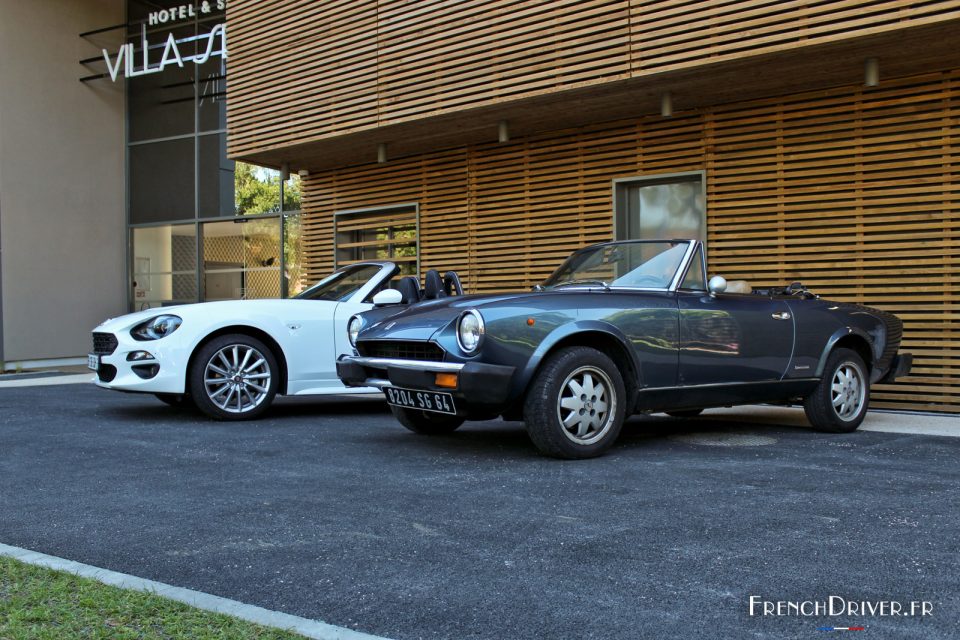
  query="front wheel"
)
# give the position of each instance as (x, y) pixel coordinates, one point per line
(426, 422)
(576, 404)
(234, 377)
(839, 403)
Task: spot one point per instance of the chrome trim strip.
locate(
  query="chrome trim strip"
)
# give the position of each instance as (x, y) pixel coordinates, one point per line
(415, 365)
(379, 383)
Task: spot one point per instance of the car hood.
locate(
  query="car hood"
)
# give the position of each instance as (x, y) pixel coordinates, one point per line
(422, 320)
(235, 309)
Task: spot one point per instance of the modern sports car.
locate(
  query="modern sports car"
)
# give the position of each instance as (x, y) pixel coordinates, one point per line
(231, 358)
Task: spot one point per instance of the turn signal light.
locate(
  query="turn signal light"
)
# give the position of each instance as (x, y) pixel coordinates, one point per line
(446, 380)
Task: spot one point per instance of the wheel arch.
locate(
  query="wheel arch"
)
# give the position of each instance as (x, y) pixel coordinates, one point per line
(247, 330)
(849, 338)
(604, 338)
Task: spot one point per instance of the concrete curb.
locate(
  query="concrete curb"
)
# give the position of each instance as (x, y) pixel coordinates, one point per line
(258, 615)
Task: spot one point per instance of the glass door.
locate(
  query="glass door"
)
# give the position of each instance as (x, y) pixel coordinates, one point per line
(241, 259)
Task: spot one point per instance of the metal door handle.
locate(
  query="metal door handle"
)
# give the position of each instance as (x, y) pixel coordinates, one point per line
(780, 315)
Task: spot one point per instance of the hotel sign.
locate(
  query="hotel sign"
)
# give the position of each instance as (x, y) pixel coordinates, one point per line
(126, 59)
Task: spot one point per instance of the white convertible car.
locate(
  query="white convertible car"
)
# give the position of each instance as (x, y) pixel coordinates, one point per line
(231, 358)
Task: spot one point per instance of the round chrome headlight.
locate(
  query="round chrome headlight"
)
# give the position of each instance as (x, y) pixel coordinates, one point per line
(470, 330)
(156, 328)
(353, 329)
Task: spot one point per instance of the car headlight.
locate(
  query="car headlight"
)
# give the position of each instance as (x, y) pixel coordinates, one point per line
(156, 328)
(353, 329)
(470, 330)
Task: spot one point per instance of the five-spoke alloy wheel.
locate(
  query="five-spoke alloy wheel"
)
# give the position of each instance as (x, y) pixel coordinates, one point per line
(839, 403)
(234, 377)
(576, 404)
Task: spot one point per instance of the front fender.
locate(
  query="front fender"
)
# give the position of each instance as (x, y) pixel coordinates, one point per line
(568, 330)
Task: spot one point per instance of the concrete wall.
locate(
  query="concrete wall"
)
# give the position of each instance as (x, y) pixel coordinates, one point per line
(62, 223)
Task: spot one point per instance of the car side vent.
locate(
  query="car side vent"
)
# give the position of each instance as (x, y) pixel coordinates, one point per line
(401, 349)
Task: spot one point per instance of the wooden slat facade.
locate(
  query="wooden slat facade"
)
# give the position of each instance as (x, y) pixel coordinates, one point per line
(303, 71)
(854, 191)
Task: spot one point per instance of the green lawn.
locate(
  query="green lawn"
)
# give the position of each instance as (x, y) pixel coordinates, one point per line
(41, 603)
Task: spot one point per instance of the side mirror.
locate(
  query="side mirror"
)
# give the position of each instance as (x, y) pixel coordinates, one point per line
(387, 297)
(717, 284)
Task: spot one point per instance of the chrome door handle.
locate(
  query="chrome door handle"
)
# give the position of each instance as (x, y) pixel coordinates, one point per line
(780, 315)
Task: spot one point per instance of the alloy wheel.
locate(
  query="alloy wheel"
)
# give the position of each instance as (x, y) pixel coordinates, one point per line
(587, 405)
(847, 391)
(237, 378)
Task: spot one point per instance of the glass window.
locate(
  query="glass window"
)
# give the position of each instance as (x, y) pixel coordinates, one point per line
(696, 279)
(161, 181)
(294, 273)
(342, 284)
(256, 189)
(389, 234)
(164, 265)
(162, 104)
(661, 208)
(241, 260)
(216, 177)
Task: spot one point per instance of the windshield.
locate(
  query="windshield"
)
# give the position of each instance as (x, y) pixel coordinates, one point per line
(642, 264)
(341, 285)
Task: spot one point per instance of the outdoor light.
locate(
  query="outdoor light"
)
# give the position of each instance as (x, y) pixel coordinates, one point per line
(353, 329)
(871, 72)
(156, 328)
(470, 330)
(382, 152)
(666, 105)
(503, 131)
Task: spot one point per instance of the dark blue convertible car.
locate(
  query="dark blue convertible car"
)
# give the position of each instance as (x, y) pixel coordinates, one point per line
(622, 328)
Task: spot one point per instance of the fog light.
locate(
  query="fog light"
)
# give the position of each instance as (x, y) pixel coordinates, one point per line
(135, 356)
(446, 380)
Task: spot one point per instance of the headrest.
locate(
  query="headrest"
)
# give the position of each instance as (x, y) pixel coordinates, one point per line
(433, 285)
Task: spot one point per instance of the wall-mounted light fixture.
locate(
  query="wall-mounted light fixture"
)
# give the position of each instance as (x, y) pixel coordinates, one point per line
(382, 152)
(303, 173)
(666, 104)
(871, 72)
(503, 131)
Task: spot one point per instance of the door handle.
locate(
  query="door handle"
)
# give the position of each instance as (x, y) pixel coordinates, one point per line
(780, 315)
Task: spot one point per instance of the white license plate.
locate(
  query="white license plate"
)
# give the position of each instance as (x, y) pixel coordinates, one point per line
(435, 401)
(93, 361)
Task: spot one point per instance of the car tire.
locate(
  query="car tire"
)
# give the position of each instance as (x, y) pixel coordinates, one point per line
(234, 377)
(684, 413)
(565, 390)
(426, 422)
(840, 401)
(178, 400)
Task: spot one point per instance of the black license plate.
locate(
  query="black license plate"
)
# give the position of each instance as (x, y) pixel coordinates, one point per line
(436, 401)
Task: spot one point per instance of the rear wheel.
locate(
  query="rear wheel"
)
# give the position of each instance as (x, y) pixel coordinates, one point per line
(839, 403)
(576, 404)
(426, 422)
(234, 377)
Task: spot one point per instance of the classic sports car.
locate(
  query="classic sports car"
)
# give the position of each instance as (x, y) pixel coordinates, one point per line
(620, 328)
(231, 358)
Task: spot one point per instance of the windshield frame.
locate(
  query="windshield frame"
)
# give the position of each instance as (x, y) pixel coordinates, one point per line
(387, 271)
(672, 287)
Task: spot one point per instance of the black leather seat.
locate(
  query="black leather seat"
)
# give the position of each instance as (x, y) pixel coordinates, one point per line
(433, 285)
(409, 288)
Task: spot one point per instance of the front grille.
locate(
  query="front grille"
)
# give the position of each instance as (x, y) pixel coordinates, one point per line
(104, 343)
(401, 349)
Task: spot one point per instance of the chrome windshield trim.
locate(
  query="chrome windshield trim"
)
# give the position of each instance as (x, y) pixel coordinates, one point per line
(415, 365)
(684, 263)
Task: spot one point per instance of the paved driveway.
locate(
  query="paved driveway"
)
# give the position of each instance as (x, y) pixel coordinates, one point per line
(330, 510)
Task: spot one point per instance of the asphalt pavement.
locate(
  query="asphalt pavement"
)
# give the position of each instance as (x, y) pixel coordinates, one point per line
(328, 509)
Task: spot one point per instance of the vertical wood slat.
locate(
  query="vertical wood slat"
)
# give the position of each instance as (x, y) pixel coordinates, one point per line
(853, 192)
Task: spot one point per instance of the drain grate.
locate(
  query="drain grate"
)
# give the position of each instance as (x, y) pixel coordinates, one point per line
(725, 439)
